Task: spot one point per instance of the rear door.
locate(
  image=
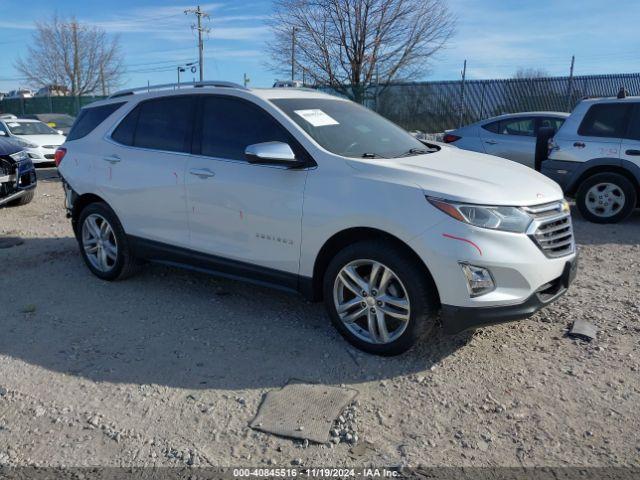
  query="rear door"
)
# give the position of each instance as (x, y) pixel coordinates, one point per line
(630, 147)
(238, 210)
(512, 138)
(141, 170)
(599, 134)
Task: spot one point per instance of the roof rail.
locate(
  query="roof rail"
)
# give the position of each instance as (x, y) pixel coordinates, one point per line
(176, 86)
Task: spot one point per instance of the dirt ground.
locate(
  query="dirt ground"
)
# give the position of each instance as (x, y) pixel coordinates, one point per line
(169, 367)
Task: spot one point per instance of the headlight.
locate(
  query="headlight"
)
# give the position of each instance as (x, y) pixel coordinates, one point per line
(26, 144)
(508, 219)
(20, 156)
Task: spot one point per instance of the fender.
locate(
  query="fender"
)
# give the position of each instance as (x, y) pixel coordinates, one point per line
(570, 174)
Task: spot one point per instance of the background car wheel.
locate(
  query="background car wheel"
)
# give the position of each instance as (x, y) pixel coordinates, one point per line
(378, 298)
(103, 243)
(23, 200)
(606, 198)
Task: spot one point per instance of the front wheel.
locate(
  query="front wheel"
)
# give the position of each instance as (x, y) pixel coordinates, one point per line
(378, 298)
(606, 198)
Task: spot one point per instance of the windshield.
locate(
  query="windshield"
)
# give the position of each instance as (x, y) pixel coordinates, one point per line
(349, 130)
(30, 128)
(57, 121)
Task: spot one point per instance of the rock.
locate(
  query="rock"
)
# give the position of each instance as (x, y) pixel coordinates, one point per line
(3, 391)
(296, 461)
(483, 446)
(94, 421)
(39, 411)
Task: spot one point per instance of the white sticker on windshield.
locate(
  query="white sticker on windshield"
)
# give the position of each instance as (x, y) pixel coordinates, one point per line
(13, 124)
(316, 117)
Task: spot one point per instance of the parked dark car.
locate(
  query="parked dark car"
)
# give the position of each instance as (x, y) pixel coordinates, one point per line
(17, 174)
(57, 121)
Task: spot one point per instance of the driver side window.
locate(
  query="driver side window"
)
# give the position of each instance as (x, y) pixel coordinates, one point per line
(230, 125)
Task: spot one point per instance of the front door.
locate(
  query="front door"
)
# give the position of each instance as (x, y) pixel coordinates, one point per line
(630, 147)
(237, 210)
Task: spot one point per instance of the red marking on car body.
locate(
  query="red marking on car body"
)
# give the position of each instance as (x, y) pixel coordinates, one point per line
(453, 237)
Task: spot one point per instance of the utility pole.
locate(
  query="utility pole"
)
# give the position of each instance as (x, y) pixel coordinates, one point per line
(199, 15)
(246, 80)
(464, 76)
(293, 54)
(570, 86)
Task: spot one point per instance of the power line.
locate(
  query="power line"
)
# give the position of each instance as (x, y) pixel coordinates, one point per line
(200, 14)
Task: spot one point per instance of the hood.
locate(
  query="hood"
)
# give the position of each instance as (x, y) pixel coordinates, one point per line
(41, 140)
(9, 147)
(461, 175)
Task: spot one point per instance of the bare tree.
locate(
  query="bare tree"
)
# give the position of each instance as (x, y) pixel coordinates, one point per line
(530, 73)
(66, 53)
(350, 44)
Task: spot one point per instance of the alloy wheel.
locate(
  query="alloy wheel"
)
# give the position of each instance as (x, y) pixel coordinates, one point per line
(371, 301)
(99, 243)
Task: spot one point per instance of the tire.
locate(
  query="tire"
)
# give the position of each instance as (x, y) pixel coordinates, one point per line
(120, 264)
(606, 198)
(25, 199)
(410, 284)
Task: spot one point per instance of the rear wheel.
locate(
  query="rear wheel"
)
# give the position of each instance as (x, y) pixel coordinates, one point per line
(606, 198)
(378, 298)
(103, 243)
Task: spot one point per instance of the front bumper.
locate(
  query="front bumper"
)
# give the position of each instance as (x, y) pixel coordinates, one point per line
(42, 154)
(457, 319)
(16, 185)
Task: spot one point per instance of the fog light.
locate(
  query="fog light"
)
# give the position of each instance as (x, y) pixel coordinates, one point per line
(479, 280)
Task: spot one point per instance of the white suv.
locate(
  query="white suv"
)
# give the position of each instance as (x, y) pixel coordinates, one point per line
(311, 193)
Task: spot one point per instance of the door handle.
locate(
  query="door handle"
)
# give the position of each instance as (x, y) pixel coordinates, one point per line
(202, 172)
(633, 152)
(491, 142)
(579, 144)
(112, 159)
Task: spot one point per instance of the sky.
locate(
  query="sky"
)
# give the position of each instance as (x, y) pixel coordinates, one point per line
(496, 37)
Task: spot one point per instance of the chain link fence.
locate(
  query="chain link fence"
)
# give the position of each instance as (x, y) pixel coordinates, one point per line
(26, 106)
(433, 107)
(430, 107)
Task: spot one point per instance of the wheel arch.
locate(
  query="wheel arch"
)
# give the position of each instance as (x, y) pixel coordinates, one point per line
(346, 237)
(619, 168)
(79, 204)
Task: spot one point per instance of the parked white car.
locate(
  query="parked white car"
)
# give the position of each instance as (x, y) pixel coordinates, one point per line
(511, 136)
(20, 93)
(315, 194)
(38, 139)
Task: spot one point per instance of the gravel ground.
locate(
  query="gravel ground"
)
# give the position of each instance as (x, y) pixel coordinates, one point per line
(169, 367)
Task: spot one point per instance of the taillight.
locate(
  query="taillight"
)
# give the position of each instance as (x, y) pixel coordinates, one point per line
(449, 138)
(60, 153)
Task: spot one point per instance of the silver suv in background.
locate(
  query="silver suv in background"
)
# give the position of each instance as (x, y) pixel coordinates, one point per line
(511, 136)
(595, 157)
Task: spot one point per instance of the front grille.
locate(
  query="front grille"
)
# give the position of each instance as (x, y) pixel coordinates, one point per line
(552, 229)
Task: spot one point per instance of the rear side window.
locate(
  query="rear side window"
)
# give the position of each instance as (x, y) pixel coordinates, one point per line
(90, 118)
(165, 124)
(230, 125)
(605, 120)
(524, 127)
(125, 132)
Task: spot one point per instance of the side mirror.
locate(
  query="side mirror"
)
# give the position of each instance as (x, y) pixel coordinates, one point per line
(272, 153)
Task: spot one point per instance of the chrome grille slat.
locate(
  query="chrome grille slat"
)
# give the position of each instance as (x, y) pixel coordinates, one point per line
(553, 232)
